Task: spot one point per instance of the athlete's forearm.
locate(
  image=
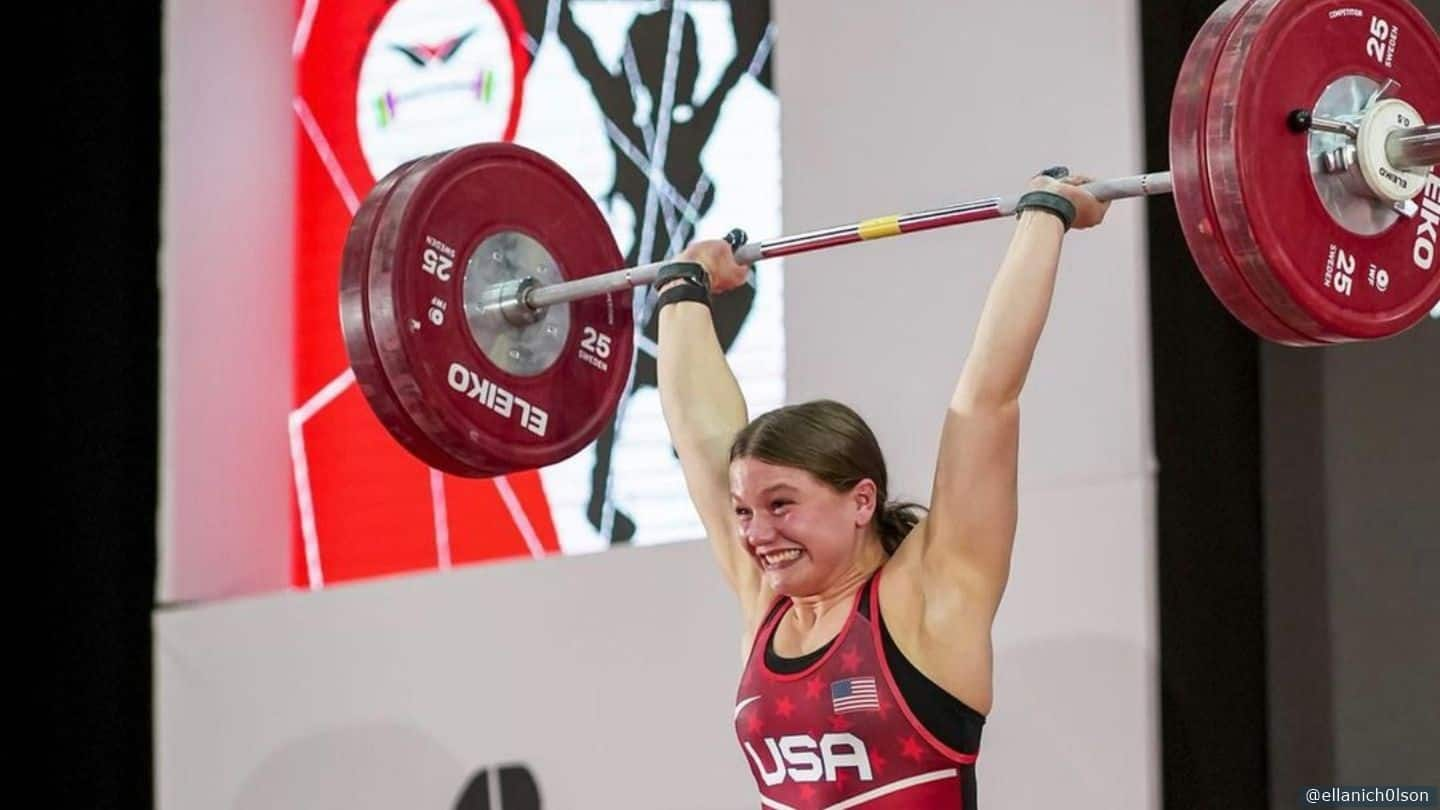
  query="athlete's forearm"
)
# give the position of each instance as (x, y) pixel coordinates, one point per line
(700, 398)
(1014, 314)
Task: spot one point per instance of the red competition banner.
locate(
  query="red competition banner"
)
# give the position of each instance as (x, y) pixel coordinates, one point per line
(663, 113)
(373, 78)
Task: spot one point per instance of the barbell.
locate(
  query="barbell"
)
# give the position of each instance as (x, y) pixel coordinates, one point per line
(490, 332)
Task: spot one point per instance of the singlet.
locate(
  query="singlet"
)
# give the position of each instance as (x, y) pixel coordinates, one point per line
(853, 724)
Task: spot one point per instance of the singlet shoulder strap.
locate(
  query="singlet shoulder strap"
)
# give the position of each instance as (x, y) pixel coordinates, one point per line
(867, 595)
(767, 626)
(776, 608)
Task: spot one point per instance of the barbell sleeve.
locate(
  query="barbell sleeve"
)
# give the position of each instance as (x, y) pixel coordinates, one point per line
(1411, 149)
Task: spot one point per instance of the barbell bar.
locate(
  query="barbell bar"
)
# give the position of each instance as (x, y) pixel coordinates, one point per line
(537, 297)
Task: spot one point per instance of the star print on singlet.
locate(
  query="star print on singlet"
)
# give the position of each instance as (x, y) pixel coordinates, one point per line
(838, 733)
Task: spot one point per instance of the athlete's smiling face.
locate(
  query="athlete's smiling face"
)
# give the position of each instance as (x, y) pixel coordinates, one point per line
(801, 533)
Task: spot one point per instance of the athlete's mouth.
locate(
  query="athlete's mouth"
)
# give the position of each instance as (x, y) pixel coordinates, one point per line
(779, 559)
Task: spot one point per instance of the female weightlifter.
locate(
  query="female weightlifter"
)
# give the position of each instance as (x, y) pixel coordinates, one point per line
(866, 622)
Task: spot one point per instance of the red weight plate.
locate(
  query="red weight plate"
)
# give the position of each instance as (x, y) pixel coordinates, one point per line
(497, 398)
(355, 325)
(1189, 108)
(1323, 278)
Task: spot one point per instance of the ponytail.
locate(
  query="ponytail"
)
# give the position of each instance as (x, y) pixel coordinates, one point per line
(894, 522)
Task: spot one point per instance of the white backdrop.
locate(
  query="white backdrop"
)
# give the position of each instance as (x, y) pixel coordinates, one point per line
(925, 104)
(611, 676)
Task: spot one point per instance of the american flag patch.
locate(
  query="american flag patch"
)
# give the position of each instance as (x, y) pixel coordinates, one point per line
(854, 695)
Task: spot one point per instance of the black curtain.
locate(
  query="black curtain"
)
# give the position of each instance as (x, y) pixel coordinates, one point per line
(99, 315)
(1206, 373)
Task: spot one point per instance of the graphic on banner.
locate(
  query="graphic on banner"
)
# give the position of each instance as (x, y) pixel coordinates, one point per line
(438, 74)
(664, 113)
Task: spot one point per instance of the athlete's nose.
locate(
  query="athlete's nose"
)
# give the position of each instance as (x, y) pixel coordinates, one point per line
(760, 530)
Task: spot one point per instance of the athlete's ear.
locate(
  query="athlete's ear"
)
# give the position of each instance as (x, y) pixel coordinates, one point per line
(863, 498)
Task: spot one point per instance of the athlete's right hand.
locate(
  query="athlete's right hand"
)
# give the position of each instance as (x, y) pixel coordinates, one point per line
(718, 259)
(1089, 211)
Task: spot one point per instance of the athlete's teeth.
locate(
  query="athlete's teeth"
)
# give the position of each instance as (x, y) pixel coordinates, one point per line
(782, 556)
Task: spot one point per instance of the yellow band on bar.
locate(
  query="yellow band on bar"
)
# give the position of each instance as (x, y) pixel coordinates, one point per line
(879, 228)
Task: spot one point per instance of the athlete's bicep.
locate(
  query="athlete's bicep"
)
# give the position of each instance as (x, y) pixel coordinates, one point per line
(708, 482)
(967, 539)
